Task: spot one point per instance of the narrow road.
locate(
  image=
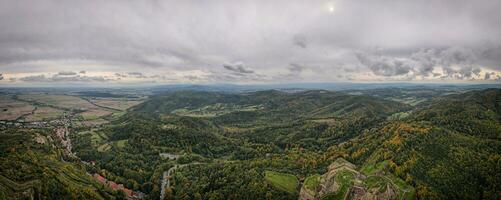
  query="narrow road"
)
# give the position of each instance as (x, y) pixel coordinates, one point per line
(167, 174)
(100, 106)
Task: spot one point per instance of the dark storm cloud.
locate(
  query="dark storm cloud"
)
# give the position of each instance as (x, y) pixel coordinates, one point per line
(459, 37)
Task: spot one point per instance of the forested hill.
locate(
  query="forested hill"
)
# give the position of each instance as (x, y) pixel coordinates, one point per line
(475, 113)
(314, 103)
(405, 144)
(33, 165)
(449, 149)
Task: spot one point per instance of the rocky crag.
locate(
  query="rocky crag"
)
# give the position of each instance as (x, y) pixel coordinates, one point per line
(343, 181)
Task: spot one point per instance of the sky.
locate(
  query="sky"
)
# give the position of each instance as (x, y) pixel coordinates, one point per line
(96, 42)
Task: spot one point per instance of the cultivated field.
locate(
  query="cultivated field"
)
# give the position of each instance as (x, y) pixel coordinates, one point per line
(95, 114)
(115, 103)
(52, 105)
(94, 122)
(44, 113)
(59, 101)
(11, 109)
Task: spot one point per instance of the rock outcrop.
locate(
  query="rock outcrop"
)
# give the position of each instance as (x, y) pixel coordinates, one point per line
(343, 180)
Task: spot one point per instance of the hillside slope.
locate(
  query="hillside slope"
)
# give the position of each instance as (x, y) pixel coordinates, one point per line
(31, 167)
(450, 149)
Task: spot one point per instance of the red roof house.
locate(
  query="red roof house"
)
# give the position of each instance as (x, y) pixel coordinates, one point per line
(100, 178)
(113, 185)
(128, 192)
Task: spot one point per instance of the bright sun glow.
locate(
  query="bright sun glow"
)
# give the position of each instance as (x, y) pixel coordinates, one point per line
(331, 7)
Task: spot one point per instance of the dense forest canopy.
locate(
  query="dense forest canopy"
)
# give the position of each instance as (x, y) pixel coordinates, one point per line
(271, 145)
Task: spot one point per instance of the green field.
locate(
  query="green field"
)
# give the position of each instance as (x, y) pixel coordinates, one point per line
(373, 168)
(405, 191)
(345, 179)
(311, 182)
(376, 182)
(121, 143)
(104, 147)
(283, 181)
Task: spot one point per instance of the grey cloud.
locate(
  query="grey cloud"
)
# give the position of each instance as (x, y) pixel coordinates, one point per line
(137, 74)
(46, 36)
(456, 62)
(237, 67)
(300, 40)
(82, 72)
(231, 76)
(158, 76)
(67, 73)
(464, 73)
(426, 61)
(34, 78)
(120, 75)
(191, 77)
(58, 78)
(1, 77)
(296, 68)
(457, 55)
(468, 72)
(78, 79)
(488, 75)
(384, 66)
(460, 57)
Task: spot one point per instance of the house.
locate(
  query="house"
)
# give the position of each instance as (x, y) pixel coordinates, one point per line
(128, 192)
(169, 156)
(100, 178)
(116, 186)
(113, 185)
(138, 195)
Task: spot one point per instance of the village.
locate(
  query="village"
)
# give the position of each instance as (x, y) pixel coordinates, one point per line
(61, 130)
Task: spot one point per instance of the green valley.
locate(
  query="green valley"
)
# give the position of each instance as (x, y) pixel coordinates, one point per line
(271, 144)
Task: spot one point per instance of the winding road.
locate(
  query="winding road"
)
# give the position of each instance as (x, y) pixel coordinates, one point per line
(167, 174)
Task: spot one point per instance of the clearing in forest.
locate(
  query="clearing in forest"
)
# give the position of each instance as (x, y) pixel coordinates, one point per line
(283, 181)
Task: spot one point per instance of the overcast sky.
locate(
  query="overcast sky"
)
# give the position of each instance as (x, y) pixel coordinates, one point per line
(160, 42)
